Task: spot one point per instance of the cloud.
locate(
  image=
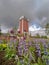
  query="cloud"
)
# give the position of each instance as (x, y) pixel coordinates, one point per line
(34, 27)
(11, 10)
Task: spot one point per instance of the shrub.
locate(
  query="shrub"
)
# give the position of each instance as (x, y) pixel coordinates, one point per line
(3, 47)
(44, 37)
(10, 53)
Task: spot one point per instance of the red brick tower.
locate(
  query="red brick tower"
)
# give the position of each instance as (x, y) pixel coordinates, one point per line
(23, 25)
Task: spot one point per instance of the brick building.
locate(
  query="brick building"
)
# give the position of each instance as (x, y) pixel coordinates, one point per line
(23, 24)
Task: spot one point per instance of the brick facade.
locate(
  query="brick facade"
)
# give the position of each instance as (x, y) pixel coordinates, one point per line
(23, 25)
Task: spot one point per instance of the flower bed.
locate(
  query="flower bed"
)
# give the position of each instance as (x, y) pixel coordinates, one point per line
(22, 52)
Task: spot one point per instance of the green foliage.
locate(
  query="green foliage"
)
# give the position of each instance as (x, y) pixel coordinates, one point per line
(41, 47)
(4, 41)
(10, 53)
(0, 32)
(26, 59)
(18, 63)
(44, 59)
(3, 47)
(47, 28)
(17, 43)
(37, 35)
(32, 48)
(39, 61)
(27, 40)
(45, 37)
(35, 64)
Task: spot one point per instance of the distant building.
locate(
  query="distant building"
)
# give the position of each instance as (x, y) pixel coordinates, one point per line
(41, 32)
(23, 24)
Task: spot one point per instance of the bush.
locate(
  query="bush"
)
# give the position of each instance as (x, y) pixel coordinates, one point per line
(37, 35)
(10, 53)
(3, 47)
(44, 37)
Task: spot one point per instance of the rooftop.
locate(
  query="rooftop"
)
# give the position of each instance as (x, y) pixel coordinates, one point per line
(23, 17)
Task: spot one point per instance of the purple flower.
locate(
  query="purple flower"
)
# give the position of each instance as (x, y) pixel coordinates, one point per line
(45, 52)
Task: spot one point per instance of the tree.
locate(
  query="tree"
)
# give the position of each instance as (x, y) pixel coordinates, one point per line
(47, 28)
(0, 30)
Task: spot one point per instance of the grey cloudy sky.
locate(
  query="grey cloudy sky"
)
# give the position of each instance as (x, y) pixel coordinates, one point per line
(35, 10)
